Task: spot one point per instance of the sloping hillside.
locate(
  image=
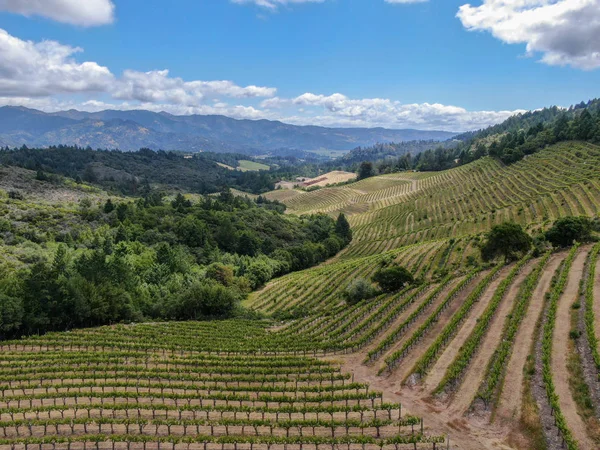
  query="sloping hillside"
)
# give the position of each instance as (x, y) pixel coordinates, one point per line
(455, 348)
(132, 130)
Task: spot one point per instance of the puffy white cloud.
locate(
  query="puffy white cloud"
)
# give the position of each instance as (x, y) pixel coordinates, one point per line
(77, 12)
(339, 110)
(274, 4)
(404, 2)
(565, 32)
(44, 68)
(47, 68)
(158, 87)
(46, 76)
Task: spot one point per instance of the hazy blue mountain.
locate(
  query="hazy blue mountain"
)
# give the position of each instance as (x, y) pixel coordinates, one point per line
(131, 130)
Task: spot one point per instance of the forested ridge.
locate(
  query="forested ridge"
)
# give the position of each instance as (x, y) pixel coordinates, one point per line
(127, 259)
(510, 141)
(131, 172)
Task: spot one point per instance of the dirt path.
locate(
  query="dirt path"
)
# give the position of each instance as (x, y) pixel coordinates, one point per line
(597, 300)
(438, 370)
(511, 398)
(401, 317)
(476, 371)
(463, 435)
(419, 321)
(560, 349)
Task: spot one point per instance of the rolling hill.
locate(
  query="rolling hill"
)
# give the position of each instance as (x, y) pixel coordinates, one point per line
(132, 130)
(475, 356)
(458, 347)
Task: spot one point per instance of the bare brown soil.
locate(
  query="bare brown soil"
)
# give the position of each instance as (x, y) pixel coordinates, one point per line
(560, 353)
(463, 434)
(511, 398)
(438, 370)
(597, 300)
(474, 377)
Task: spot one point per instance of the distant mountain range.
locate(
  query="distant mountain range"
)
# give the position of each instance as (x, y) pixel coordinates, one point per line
(132, 130)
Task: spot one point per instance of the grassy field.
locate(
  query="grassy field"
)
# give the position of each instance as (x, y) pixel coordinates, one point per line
(461, 342)
(245, 165)
(444, 359)
(333, 154)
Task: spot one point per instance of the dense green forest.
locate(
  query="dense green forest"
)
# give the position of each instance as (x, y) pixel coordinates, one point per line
(113, 260)
(130, 173)
(515, 138)
(510, 141)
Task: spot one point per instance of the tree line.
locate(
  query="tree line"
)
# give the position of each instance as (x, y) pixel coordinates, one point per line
(156, 258)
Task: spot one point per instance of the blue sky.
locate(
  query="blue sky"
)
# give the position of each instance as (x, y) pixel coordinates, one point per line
(329, 62)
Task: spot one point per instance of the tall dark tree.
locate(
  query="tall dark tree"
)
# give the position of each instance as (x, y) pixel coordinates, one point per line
(342, 228)
(508, 240)
(584, 126)
(365, 170)
(567, 230)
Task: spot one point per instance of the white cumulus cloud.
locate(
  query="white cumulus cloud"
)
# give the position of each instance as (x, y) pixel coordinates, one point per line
(404, 2)
(44, 68)
(565, 32)
(85, 13)
(340, 110)
(274, 4)
(157, 87)
(47, 75)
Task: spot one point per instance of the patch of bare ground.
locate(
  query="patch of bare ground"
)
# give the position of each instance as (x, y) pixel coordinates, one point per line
(465, 394)
(511, 397)
(409, 361)
(418, 322)
(435, 375)
(24, 182)
(597, 300)
(561, 350)
(463, 435)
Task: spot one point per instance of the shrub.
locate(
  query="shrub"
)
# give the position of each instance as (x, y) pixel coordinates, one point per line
(358, 290)
(507, 239)
(567, 230)
(392, 278)
(220, 273)
(205, 300)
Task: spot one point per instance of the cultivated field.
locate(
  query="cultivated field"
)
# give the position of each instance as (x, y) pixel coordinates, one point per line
(190, 385)
(478, 356)
(485, 353)
(245, 165)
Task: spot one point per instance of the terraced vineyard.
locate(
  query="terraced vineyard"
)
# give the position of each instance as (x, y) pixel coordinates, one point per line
(457, 348)
(395, 210)
(476, 356)
(174, 385)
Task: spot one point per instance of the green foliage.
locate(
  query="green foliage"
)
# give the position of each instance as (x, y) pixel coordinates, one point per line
(365, 170)
(392, 278)
(590, 315)
(220, 273)
(202, 300)
(568, 230)
(122, 260)
(359, 290)
(496, 369)
(547, 341)
(11, 314)
(342, 229)
(130, 173)
(508, 240)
